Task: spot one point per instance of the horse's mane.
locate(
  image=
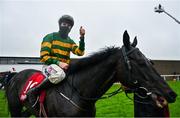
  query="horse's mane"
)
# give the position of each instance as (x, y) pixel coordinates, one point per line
(92, 59)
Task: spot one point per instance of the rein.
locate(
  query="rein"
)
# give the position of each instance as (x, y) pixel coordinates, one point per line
(136, 100)
(107, 95)
(135, 93)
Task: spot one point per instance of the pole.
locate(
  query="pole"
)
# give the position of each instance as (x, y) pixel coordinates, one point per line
(172, 17)
(160, 9)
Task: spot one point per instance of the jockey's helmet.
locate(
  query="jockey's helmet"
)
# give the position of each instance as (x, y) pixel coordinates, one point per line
(66, 18)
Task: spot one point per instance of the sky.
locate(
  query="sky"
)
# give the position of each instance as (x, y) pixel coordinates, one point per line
(24, 23)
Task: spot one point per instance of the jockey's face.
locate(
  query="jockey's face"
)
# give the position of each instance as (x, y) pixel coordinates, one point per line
(65, 28)
(64, 24)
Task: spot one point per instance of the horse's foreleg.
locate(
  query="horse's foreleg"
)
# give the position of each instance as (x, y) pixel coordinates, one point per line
(15, 111)
(14, 105)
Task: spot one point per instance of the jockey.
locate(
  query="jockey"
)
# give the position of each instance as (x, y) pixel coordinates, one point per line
(55, 53)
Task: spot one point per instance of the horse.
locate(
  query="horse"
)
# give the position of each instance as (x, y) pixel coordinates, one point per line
(89, 78)
(5, 77)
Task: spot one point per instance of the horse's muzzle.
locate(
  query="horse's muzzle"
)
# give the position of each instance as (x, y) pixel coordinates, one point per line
(171, 97)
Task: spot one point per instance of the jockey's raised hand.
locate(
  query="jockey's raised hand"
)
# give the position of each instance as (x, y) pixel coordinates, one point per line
(81, 32)
(63, 65)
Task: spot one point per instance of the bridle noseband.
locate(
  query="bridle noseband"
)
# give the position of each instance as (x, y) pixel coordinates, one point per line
(137, 88)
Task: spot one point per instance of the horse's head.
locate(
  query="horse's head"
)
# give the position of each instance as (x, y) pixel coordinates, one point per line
(138, 74)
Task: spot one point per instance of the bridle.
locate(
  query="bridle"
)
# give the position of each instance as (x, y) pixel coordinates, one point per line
(137, 89)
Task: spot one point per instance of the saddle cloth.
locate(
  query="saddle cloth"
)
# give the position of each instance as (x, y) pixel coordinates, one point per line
(32, 81)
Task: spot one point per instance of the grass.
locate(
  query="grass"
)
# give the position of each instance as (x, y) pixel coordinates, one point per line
(175, 107)
(3, 105)
(120, 105)
(115, 106)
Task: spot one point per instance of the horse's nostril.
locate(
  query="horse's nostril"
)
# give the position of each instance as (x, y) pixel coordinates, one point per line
(173, 94)
(172, 97)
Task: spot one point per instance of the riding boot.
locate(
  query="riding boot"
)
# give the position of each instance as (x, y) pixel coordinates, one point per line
(32, 93)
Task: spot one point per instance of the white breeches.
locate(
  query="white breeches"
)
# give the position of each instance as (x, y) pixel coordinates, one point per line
(54, 73)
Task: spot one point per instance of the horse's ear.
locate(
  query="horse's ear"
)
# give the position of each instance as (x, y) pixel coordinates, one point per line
(126, 39)
(134, 42)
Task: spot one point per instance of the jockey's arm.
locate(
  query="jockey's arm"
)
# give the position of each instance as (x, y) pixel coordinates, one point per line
(79, 50)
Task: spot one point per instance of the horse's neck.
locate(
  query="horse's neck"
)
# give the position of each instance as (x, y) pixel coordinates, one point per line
(95, 81)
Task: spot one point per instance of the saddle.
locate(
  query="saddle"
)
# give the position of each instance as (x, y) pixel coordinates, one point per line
(33, 81)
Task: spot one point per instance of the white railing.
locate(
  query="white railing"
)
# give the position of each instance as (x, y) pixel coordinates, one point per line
(171, 77)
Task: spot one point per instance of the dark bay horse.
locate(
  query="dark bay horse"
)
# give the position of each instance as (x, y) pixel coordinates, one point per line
(90, 77)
